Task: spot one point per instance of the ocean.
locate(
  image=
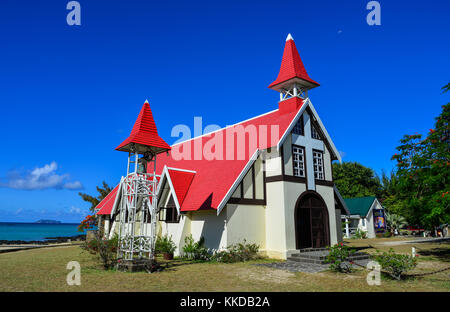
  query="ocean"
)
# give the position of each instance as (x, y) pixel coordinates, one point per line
(36, 231)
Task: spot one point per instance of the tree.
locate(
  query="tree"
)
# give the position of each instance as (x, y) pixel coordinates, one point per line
(355, 180)
(423, 168)
(96, 200)
(395, 221)
(446, 88)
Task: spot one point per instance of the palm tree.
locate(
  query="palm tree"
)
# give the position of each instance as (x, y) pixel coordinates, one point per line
(395, 221)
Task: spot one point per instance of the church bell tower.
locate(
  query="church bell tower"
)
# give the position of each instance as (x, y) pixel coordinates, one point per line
(293, 81)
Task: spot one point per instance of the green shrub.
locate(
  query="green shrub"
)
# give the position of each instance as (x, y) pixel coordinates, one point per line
(195, 250)
(338, 258)
(105, 249)
(165, 244)
(387, 234)
(237, 253)
(360, 234)
(394, 264)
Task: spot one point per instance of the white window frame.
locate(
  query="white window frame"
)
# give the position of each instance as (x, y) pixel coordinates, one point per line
(318, 165)
(298, 164)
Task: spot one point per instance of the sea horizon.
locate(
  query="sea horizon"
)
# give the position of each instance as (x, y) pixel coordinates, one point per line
(32, 231)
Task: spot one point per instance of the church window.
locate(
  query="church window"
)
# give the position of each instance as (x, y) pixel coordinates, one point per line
(298, 158)
(169, 214)
(298, 128)
(318, 165)
(314, 133)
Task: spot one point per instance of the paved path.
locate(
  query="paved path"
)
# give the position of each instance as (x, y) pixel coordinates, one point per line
(293, 266)
(417, 240)
(11, 248)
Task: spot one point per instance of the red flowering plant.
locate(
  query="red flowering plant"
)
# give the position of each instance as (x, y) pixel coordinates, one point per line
(87, 224)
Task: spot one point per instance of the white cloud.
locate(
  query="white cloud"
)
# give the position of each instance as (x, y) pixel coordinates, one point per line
(41, 178)
(76, 185)
(75, 210)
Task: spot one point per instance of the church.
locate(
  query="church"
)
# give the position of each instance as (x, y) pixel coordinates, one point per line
(267, 179)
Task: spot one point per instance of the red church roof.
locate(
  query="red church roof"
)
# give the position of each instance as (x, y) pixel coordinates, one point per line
(144, 134)
(105, 206)
(214, 178)
(292, 67)
(181, 181)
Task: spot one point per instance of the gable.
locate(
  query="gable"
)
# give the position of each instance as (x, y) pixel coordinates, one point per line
(360, 205)
(176, 183)
(317, 123)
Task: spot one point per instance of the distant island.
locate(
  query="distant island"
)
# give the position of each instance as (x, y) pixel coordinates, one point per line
(48, 221)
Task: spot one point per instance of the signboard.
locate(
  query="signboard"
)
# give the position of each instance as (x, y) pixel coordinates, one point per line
(379, 220)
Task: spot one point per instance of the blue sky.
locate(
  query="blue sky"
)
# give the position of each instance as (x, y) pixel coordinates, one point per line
(70, 94)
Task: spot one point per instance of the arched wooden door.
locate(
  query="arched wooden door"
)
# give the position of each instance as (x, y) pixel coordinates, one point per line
(311, 222)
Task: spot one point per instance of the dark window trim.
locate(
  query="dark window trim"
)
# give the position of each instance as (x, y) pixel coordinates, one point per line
(247, 201)
(285, 178)
(324, 183)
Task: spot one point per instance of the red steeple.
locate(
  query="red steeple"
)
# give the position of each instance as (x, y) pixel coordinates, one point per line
(144, 136)
(292, 70)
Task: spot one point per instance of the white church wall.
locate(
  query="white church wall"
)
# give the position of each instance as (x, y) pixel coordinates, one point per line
(246, 222)
(273, 162)
(287, 156)
(259, 179)
(327, 164)
(177, 231)
(211, 226)
(275, 221)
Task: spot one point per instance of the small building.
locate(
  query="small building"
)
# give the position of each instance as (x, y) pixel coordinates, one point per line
(366, 214)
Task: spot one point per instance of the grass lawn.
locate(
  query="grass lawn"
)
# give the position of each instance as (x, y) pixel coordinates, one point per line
(45, 270)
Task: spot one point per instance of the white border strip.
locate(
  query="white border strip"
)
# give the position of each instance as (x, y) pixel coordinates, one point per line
(171, 188)
(184, 170)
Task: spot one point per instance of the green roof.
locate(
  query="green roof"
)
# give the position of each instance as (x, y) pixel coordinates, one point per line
(359, 205)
